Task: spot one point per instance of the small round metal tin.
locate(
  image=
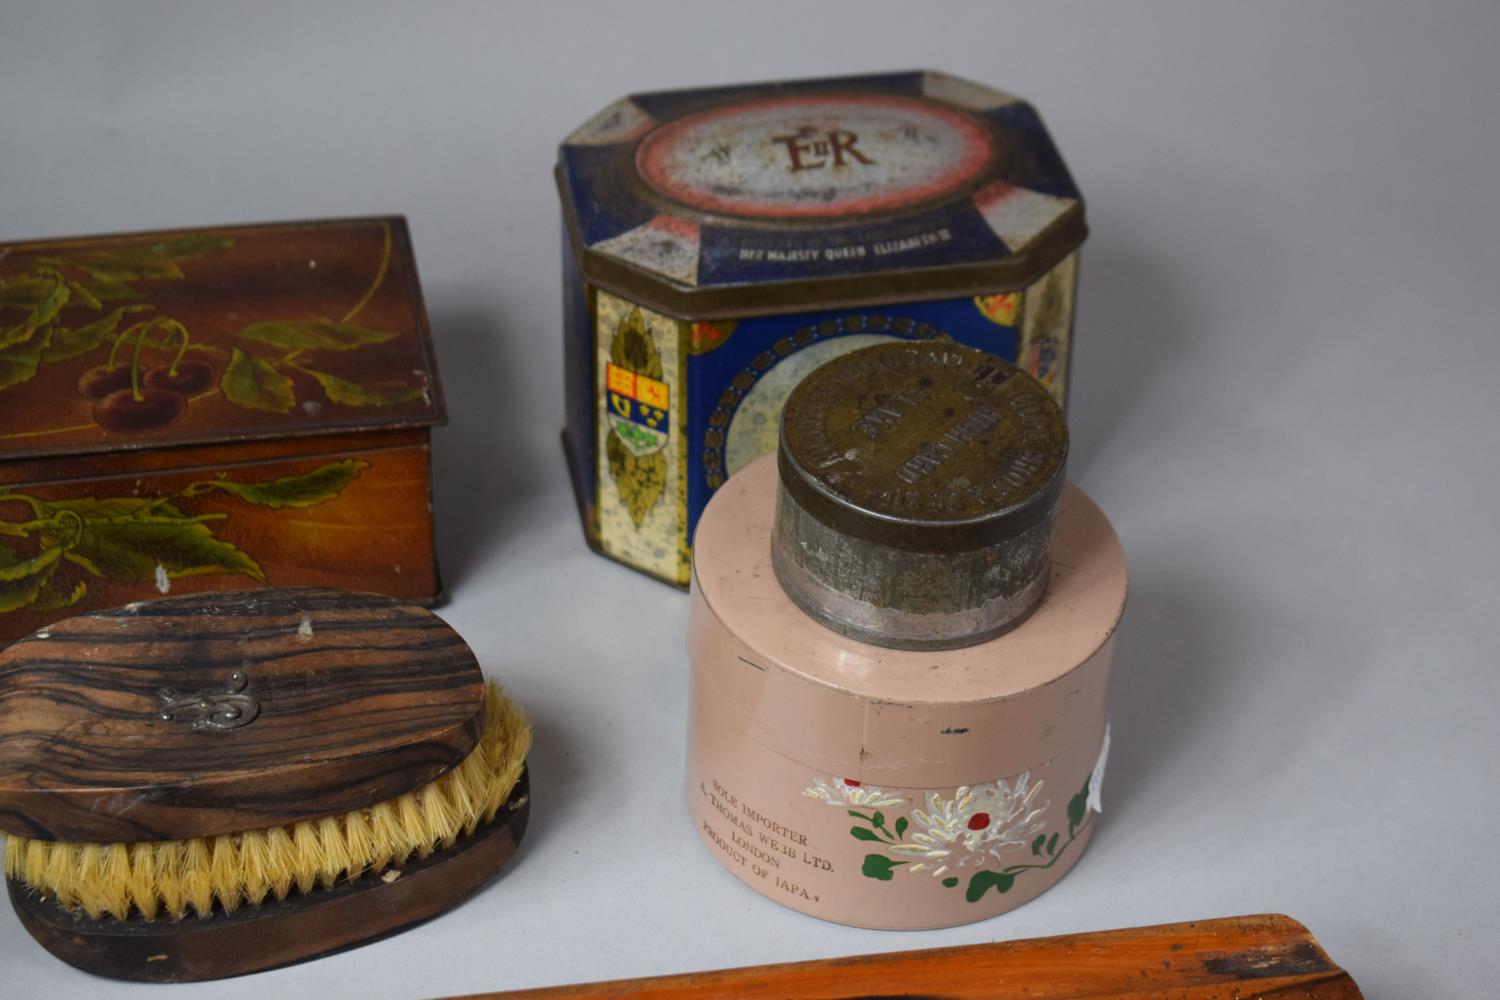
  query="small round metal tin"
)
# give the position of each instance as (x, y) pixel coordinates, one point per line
(918, 488)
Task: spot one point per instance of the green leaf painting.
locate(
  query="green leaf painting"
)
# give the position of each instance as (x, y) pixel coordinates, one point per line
(314, 335)
(19, 362)
(84, 295)
(39, 312)
(49, 598)
(24, 290)
(21, 580)
(71, 301)
(140, 261)
(1078, 807)
(131, 539)
(256, 384)
(125, 538)
(981, 883)
(292, 491)
(44, 308)
(68, 343)
(341, 390)
(879, 866)
(973, 833)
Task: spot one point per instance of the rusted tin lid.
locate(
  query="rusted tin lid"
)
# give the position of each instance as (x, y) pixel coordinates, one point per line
(918, 488)
(150, 340)
(780, 197)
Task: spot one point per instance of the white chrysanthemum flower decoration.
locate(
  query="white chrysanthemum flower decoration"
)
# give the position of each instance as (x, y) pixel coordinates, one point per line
(1013, 813)
(848, 792)
(974, 827)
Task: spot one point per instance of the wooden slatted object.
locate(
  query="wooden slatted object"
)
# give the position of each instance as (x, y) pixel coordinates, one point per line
(1233, 958)
(210, 785)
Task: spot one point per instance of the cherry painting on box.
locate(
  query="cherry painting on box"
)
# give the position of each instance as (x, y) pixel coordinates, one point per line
(213, 409)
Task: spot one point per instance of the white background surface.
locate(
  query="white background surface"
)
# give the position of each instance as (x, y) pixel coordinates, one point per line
(1284, 396)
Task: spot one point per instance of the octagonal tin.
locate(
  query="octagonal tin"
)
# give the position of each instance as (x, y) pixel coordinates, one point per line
(721, 243)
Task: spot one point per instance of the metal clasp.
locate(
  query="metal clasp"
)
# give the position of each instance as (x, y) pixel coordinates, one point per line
(214, 710)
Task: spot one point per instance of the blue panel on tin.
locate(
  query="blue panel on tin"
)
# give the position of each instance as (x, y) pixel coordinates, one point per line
(1037, 166)
(603, 206)
(736, 256)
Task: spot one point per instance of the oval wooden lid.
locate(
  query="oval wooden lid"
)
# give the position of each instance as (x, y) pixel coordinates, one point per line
(220, 713)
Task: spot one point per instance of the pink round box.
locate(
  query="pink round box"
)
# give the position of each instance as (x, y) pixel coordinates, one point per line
(892, 788)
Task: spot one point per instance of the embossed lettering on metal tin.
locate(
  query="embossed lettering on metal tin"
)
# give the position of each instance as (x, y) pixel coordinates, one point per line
(918, 486)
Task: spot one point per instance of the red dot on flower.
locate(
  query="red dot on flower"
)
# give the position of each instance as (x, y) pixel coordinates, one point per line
(979, 821)
(851, 783)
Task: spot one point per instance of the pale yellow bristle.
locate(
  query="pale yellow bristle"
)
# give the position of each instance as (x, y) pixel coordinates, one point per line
(360, 851)
(414, 833)
(196, 872)
(144, 879)
(170, 887)
(308, 856)
(88, 862)
(256, 868)
(442, 822)
(386, 830)
(171, 877)
(281, 861)
(336, 859)
(225, 868)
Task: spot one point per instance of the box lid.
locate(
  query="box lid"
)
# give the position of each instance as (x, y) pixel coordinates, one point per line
(784, 196)
(155, 339)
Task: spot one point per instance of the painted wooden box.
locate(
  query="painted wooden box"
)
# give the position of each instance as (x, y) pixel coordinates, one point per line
(719, 244)
(213, 409)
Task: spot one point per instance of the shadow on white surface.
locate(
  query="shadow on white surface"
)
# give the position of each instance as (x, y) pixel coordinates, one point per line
(1135, 332)
(555, 774)
(479, 460)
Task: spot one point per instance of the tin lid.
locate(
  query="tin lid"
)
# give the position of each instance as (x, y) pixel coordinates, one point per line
(220, 713)
(918, 484)
(779, 197)
(150, 340)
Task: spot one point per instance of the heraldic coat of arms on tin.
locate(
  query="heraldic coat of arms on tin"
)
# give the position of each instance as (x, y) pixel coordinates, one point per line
(638, 410)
